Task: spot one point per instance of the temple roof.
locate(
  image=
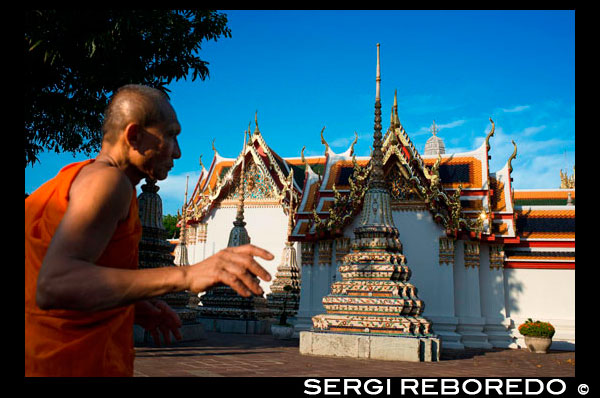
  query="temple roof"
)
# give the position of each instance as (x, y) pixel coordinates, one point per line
(328, 193)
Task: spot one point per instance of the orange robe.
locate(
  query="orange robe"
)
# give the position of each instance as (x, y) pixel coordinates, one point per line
(66, 342)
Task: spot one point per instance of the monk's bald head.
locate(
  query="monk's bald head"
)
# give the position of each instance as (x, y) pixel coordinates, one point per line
(134, 103)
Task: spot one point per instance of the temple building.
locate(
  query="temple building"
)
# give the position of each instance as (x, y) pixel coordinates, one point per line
(485, 257)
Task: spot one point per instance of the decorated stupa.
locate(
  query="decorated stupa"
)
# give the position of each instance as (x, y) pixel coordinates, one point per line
(374, 312)
(285, 289)
(155, 250)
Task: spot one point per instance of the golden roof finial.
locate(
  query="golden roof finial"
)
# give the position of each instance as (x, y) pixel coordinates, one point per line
(302, 155)
(213, 146)
(490, 134)
(353, 143)
(200, 161)
(323, 140)
(514, 155)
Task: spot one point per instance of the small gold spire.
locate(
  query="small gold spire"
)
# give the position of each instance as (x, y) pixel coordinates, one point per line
(377, 77)
(291, 203)
(186, 191)
(434, 129)
(256, 131)
(395, 108)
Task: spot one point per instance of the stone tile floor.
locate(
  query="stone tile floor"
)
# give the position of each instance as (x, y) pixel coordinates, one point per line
(236, 355)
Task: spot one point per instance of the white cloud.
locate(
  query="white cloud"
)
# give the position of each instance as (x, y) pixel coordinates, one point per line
(528, 131)
(519, 108)
(427, 129)
(451, 125)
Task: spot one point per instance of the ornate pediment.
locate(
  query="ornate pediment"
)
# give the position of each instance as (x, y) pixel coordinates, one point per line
(259, 185)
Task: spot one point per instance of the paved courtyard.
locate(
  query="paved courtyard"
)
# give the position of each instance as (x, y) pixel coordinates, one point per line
(237, 355)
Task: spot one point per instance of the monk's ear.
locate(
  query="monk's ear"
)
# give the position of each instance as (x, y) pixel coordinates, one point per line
(133, 135)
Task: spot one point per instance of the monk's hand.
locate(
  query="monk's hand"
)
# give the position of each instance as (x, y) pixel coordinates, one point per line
(156, 315)
(233, 266)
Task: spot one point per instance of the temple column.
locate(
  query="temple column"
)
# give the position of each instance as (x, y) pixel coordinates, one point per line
(307, 261)
(440, 302)
(467, 297)
(493, 306)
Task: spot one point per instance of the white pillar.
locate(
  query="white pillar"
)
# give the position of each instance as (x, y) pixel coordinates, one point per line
(467, 301)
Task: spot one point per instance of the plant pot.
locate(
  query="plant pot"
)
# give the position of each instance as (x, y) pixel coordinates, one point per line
(538, 345)
(282, 332)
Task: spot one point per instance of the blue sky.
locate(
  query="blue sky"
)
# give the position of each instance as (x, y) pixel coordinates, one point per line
(302, 70)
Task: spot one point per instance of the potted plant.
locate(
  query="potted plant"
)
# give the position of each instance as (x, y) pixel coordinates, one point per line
(538, 335)
(283, 330)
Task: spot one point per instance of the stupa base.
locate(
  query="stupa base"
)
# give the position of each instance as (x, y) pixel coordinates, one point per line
(189, 332)
(241, 326)
(364, 346)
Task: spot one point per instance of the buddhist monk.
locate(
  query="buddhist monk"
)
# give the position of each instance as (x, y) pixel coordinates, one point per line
(83, 288)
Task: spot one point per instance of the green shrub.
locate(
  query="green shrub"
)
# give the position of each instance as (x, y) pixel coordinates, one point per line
(536, 329)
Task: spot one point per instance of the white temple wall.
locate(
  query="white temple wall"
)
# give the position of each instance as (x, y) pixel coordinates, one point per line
(266, 226)
(474, 306)
(419, 235)
(546, 295)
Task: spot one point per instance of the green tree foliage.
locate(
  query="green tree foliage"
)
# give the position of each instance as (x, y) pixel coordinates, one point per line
(170, 224)
(75, 59)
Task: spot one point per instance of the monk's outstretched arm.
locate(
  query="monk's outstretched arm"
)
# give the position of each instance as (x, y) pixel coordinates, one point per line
(70, 279)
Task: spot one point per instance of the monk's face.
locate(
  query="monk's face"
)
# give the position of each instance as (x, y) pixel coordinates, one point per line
(160, 147)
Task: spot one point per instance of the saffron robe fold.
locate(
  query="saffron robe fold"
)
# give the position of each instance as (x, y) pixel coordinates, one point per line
(67, 342)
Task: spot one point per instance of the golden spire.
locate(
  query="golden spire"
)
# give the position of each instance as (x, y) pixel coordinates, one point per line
(291, 203)
(183, 258)
(395, 118)
(434, 130)
(242, 186)
(377, 78)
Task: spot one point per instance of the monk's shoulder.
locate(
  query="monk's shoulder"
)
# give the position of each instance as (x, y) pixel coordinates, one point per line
(106, 186)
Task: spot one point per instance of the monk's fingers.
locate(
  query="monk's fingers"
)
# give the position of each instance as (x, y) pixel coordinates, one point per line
(247, 263)
(241, 271)
(252, 250)
(238, 284)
